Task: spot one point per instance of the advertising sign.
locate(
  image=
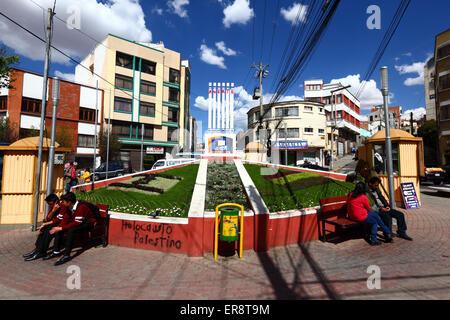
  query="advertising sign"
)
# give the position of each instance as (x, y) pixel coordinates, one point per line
(409, 195)
(291, 145)
(155, 150)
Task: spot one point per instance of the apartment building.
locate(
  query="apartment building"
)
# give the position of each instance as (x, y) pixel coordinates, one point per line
(301, 131)
(442, 82)
(75, 122)
(377, 120)
(147, 94)
(347, 108)
(430, 91)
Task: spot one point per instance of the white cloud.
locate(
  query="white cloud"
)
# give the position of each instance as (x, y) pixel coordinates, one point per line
(124, 18)
(158, 10)
(295, 14)
(370, 96)
(226, 51)
(239, 12)
(418, 113)
(416, 67)
(407, 54)
(65, 76)
(177, 7)
(210, 56)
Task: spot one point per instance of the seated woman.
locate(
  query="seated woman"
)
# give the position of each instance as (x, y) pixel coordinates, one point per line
(359, 210)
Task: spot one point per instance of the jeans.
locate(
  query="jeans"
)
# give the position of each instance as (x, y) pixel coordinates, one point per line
(374, 221)
(387, 216)
(70, 184)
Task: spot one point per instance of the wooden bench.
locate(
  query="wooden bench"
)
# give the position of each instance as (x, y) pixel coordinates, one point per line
(334, 212)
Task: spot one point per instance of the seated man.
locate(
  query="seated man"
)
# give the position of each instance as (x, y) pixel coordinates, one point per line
(53, 219)
(81, 219)
(381, 206)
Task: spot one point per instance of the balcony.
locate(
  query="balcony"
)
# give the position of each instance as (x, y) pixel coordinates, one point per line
(343, 124)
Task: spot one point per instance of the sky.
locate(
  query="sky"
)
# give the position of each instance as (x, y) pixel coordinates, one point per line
(223, 38)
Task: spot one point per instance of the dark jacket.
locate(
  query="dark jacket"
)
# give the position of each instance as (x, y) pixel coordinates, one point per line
(380, 196)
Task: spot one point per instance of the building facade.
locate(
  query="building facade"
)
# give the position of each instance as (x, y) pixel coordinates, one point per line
(75, 123)
(377, 120)
(147, 94)
(348, 115)
(430, 92)
(442, 82)
(301, 131)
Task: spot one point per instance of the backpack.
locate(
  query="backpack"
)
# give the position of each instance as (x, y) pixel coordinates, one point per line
(95, 210)
(67, 172)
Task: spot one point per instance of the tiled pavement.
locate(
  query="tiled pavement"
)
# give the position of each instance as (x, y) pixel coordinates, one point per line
(409, 270)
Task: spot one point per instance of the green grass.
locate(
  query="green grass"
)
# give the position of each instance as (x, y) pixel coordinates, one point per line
(297, 192)
(174, 202)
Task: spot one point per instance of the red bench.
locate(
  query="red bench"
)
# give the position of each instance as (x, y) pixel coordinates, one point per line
(101, 226)
(334, 212)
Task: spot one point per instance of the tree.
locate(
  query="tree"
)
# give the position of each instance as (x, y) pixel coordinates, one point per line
(7, 131)
(114, 145)
(6, 63)
(428, 132)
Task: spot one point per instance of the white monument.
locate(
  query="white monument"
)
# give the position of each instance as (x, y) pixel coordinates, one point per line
(220, 137)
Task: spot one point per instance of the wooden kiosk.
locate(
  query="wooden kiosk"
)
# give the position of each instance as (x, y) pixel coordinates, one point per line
(407, 158)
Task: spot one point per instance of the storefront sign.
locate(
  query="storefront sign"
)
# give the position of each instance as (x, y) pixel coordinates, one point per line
(409, 195)
(291, 145)
(59, 158)
(155, 150)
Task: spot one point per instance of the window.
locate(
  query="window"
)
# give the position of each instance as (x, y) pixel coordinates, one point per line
(291, 133)
(321, 110)
(87, 114)
(286, 112)
(85, 141)
(339, 115)
(31, 105)
(309, 130)
(124, 60)
(173, 115)
(25, 133)
(371, 118)
(444, 82)
(322, 132)
(327, 100)
(308, 109)
(314, 99)
(146, 108)
(124, 82)
(443, 51)
(444, 112)
(148, 87)
(148, 66)
(174, 76)
(3, 101)
(174, 95)
(121, 129)
(148, 132)
(172, 134)
(121, 104)
(379, 159)
(339, 98)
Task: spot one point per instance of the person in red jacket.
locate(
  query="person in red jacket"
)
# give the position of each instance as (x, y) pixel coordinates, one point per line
(53, 219)
(81, 219)
(359, 210)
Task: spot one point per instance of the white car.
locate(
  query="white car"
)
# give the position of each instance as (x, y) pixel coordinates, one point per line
(170, 162)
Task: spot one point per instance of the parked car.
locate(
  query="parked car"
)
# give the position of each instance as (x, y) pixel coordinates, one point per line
(115, 169)
(434, 174)
(170, 162)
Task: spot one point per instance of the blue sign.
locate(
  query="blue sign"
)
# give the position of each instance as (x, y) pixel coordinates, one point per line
(409, 195)
(221, 144)
(293, 145)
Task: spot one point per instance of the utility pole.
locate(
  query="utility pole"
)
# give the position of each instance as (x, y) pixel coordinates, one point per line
(262, 73)
(385, 92)
(51, 151)
(142, 147)
(95, 134)
(109, 131)
(43, 112)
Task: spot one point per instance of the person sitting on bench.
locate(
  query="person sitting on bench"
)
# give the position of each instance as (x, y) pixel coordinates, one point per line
(359, 210)
(53, 219)
(82, 219)
(381, 206)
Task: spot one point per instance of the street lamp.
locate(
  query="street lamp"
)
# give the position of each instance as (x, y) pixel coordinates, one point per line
(385, 92)
(334, 124)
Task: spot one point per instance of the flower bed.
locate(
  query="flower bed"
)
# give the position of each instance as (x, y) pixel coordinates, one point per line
(173, 202)
(224, 185)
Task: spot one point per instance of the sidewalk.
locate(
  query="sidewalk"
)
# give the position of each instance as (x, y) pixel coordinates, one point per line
(409, 270)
